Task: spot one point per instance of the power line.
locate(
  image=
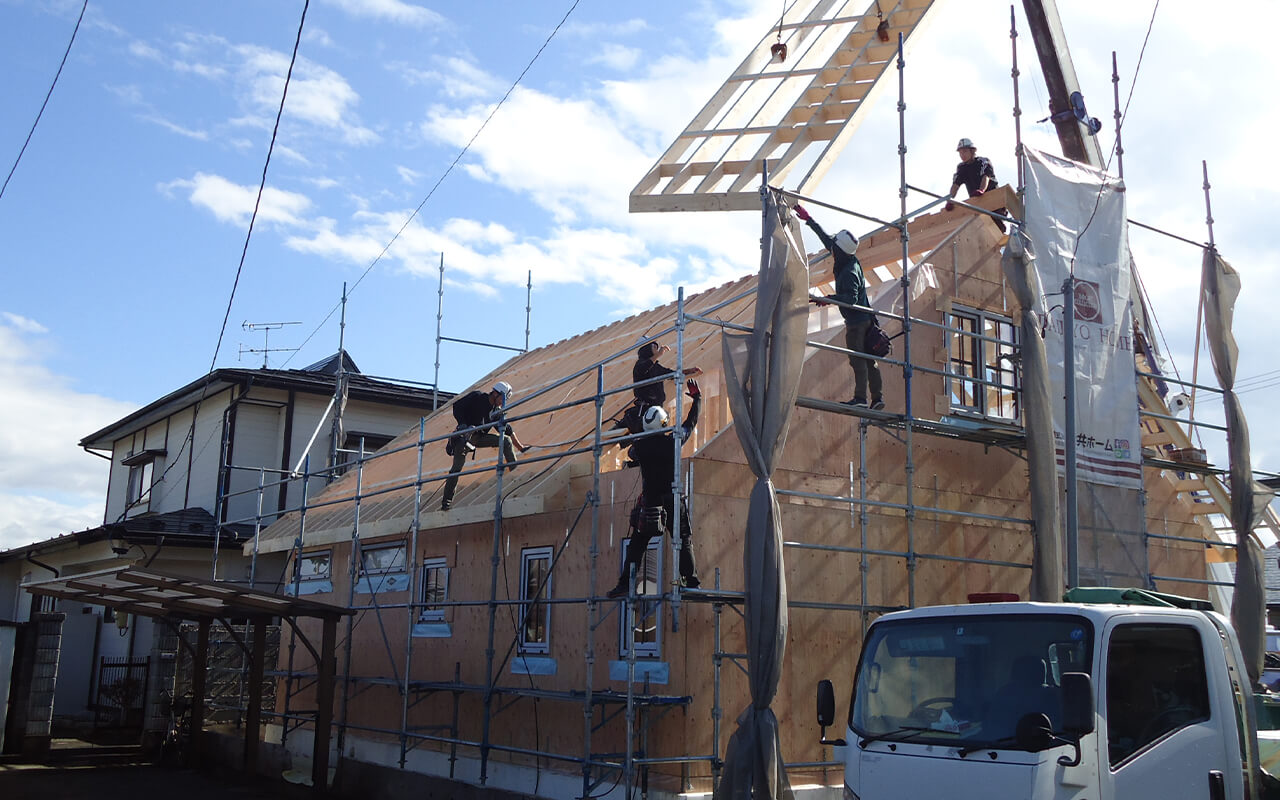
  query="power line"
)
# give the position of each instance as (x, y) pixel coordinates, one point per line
(444, 175)
(47, 95)
(195, 413)
(262, 185)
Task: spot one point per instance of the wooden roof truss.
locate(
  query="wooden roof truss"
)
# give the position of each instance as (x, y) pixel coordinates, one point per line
(797, 113)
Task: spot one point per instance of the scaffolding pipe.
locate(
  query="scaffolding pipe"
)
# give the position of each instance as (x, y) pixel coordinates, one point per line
(588, 708)
(257, 532)
(485, 744)
(435, 382)
(412, 559)
(354, 562)
(1072, 533)
(297, 583)
(1115, 90)
(1017, 103)
(908, 410)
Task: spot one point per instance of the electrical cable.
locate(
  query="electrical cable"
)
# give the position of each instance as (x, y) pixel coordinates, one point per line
(47, 95)
(262, 184)
(190, 437)
(448, 170)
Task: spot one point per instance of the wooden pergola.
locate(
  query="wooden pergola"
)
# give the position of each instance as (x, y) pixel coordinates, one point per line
(178, 598)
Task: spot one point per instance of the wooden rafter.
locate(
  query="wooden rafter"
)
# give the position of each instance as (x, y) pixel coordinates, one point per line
(798, 113)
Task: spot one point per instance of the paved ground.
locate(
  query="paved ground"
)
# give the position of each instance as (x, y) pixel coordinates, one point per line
(78, 770)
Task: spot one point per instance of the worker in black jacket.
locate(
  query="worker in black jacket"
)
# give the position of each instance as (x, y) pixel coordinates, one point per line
(656, 455)
(472, 410)
(851, 289)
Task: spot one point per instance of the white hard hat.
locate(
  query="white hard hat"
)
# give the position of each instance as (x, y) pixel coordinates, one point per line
(654, 418)
(846, 241)
(966, 143)
(503, 388)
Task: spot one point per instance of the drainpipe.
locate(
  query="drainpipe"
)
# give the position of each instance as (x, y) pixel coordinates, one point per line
(54, 570)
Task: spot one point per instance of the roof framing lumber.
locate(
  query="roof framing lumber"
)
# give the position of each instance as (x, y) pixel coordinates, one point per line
(790, 115)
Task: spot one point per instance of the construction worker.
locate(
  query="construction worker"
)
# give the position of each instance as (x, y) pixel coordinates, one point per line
(851, 289)
(657, 504)
(974, 172)
(471, 411)
(652, 394)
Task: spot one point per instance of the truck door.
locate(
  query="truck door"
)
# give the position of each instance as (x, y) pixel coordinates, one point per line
(1160, 738)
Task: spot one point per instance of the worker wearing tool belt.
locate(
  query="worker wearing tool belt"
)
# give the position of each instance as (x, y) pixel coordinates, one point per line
(656, 455)
(471, 411)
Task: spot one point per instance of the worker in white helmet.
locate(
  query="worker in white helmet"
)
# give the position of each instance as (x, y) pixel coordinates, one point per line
(974, 172)
(851, 290)
(474, 410)
(656, 508)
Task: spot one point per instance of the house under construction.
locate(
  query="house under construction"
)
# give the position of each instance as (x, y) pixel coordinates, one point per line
(482, 647)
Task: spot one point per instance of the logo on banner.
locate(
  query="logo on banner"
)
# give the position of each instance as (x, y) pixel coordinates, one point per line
(1088, 301)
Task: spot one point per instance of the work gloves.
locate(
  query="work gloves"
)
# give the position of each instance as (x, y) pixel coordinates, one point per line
(691, 387)
(800, 212)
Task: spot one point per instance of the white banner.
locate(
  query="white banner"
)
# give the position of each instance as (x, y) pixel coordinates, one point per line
(1075, 215)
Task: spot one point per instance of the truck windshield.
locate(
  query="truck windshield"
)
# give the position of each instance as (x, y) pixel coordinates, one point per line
(965, 680)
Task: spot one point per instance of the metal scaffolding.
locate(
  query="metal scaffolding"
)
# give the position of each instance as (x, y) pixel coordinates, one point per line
(640, 707)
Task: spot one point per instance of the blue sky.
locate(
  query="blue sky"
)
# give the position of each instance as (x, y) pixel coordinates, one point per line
(123, 225)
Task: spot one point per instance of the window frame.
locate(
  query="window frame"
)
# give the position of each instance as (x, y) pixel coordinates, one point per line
(306, 556)
(981, 373)
(648, 604)
(535, 605)
(402, 568)
(427, 613)
(1154, 649)
(137, 493)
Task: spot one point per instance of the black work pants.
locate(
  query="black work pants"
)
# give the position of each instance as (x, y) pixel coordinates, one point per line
(640, 540)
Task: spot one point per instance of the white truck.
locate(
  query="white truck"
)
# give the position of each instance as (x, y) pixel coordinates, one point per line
(1041, 701)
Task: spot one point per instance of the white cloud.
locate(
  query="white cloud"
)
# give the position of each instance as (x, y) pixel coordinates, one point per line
(22, 324)
(408, 175)
(317, 36)
(616, 56)
(317, 95)
(46, 481)
(231, 202)
(596, 30)
(454, 76)
(143, 50)
(396, 11)
(174, 127)
(31, 518)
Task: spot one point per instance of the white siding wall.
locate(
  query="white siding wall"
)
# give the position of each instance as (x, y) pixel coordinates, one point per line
(259, 434)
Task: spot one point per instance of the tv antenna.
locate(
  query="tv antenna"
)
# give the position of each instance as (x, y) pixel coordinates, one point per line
(266, 328)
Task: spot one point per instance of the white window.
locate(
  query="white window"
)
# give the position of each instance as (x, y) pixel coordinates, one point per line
(435, 589)
(382, 559)
(535, 588)
(138, 495)
(984, 377)
(644, 619)
(315, 566)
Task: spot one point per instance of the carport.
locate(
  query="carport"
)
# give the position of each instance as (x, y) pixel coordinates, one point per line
(178, 598)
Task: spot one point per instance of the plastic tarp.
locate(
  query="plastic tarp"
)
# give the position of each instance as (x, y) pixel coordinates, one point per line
(1075, 217)
(1047, 578)
(1248, 498)
(762, 375)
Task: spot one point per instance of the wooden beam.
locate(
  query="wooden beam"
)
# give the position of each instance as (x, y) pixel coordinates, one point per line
(200, 670)
(324, 708)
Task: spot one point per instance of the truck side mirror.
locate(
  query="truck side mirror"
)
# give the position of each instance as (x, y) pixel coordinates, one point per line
(826, 703)
(1077, 703)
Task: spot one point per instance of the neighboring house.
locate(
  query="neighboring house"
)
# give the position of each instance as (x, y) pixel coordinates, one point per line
(176, 502)
(482, 646)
